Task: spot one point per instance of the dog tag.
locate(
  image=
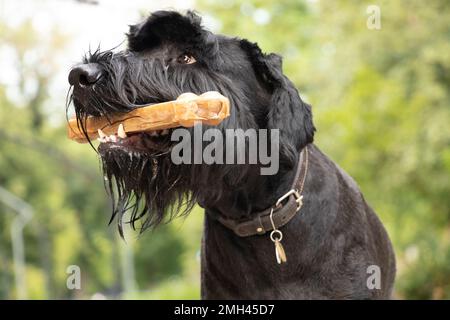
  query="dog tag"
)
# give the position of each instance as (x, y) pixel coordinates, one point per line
(279, 252)
(276, 236)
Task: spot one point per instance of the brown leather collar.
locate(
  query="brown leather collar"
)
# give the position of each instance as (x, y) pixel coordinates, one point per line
(282, 213)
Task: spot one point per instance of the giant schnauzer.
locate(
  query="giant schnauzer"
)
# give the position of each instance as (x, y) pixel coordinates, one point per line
(305, 232)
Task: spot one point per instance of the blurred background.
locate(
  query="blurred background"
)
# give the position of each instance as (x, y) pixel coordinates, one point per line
(381, 105)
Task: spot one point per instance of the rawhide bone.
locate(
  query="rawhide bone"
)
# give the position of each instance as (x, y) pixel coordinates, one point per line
(209, 108)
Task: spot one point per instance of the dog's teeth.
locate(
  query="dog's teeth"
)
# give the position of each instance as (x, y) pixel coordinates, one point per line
(113, 138)
(101, 135)
(165, 132)
(154, 133)
(106, 139)
(121, 132)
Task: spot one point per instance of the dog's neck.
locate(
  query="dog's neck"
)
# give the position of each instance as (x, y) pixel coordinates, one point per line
(245, 201)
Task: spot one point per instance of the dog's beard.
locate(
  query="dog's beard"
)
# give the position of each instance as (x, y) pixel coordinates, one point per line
(142, 181)
(145, 187)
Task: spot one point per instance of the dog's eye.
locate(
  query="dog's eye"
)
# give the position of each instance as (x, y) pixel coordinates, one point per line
(186, 59)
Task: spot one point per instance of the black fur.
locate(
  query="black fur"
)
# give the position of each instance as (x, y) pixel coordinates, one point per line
(329, 243)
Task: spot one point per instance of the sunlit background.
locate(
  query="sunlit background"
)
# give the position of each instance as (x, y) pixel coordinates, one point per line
(380, 101)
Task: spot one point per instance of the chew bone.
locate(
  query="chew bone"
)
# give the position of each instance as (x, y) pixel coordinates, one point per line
(209, 108)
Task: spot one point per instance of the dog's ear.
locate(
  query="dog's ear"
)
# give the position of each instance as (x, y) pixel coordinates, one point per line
(286, 112)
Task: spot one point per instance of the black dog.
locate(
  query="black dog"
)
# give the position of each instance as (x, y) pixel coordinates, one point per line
(334, 244)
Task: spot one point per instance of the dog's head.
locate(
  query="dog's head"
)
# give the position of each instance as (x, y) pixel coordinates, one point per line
(169, 54)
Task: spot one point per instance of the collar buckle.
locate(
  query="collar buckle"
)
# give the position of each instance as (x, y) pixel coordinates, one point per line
(298, 198)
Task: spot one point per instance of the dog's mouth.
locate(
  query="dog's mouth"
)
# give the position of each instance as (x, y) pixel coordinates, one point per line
(148, 128)
(152, 142)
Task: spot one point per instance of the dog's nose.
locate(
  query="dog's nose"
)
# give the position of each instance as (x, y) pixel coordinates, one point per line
(85, 74)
